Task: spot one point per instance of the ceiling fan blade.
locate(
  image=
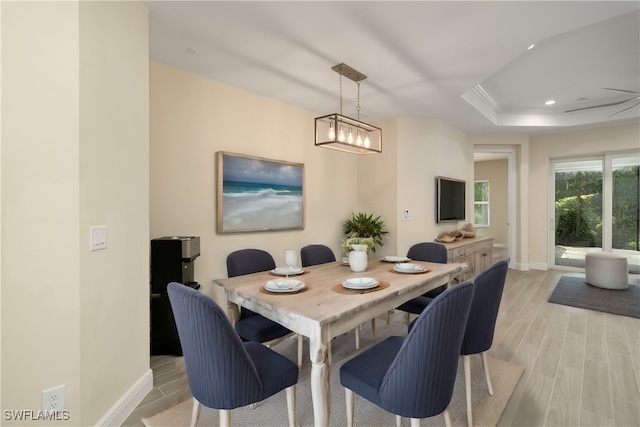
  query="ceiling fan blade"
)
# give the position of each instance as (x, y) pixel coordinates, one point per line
(599, 106)
(621, 90)
(622, 111)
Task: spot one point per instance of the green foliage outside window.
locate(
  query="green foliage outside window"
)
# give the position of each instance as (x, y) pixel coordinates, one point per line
(481, 203)
(578, 208)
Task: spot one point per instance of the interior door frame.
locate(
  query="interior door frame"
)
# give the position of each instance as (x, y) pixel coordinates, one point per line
(511, 197)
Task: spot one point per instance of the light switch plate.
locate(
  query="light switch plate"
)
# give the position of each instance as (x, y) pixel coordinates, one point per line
(97, 238)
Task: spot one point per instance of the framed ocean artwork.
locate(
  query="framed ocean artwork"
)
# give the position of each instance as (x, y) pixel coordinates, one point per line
(258, 194)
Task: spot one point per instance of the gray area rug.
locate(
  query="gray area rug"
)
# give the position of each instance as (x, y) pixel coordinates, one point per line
(273, 411)
(574, 291)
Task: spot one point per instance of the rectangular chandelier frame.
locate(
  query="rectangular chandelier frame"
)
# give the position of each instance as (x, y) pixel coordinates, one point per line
(348, 135)
(343, 133)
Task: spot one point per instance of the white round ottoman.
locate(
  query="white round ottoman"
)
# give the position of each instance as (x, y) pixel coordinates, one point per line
(606, 270)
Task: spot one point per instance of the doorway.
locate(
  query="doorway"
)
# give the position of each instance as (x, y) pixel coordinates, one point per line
(594, 207)
(507, 245)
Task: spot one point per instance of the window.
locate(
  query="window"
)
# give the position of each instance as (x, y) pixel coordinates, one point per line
(481, 203)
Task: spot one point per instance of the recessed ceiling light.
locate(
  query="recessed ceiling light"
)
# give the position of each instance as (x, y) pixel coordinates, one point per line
(531, 47)
(550, 102)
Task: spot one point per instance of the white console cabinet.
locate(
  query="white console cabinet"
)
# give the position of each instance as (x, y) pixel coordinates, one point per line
(476, 252)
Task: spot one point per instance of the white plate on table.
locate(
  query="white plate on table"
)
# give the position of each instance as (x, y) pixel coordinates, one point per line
(360, 283)
(408, 268)
(395, 258)
(284, 285)
(286, 271)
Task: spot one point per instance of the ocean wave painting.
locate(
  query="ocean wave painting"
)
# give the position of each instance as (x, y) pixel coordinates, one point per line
(259, 194)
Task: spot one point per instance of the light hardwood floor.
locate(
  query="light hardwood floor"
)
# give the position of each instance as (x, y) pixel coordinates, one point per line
(582, 367)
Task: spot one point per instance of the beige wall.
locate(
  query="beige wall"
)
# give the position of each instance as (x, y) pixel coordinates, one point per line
(403, 178)
(427, 148)
(546, 147)
(496, 172)
(191, 119)
(74, 154)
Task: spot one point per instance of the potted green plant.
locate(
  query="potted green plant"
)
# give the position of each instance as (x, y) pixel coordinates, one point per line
(365, 225)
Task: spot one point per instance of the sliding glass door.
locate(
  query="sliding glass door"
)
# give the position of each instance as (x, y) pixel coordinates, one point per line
(625, 205)
(595, 207)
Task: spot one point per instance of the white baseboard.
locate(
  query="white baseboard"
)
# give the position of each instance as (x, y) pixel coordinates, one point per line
(128, 402)
(539, 266)
(521, 267)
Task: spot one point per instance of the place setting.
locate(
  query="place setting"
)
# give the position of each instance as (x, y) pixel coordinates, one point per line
(287, 271)
(395, 259)
(290, 266)
(284, 286)
(359, 285)
(409, 268)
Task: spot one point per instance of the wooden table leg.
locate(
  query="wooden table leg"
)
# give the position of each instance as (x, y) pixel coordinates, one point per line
(319, 378)
(233, 311)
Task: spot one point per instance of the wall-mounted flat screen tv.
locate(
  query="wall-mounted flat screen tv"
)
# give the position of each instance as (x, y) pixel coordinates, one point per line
(451, 199)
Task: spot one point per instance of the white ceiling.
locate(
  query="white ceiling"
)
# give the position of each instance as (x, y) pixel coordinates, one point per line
(466, 63)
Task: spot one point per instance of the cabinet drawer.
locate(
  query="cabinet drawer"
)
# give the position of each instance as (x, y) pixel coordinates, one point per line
(470, 250)
(486, 245)
(458, 252)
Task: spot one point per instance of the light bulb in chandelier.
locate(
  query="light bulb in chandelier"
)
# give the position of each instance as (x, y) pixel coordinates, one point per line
(358, 138)
(341, 137)
(350, 137)
(332, 131)
(366, 140)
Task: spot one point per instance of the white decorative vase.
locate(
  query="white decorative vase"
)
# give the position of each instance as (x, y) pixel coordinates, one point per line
(358, 258)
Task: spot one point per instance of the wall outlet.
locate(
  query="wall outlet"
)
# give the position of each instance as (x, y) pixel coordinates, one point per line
(405, 215)
(53, 399)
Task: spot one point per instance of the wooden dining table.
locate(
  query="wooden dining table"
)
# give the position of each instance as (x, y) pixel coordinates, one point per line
(324, 309)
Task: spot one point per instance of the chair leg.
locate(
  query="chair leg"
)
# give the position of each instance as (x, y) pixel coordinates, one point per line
(398, 420)
(415, 422)
(485, 365)
(225, 418)
(329, 352)
(348, 394)
(447, 418)
(408, 318)
(466, 359)
(195, 412)
(291, 404)
(358, 337)
(300, 339)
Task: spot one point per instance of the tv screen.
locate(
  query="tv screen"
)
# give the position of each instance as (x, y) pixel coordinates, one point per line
(451, 200)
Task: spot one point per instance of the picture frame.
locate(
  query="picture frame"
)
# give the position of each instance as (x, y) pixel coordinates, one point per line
(258, 194)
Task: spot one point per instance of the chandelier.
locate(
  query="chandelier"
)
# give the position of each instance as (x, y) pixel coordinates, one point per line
(343, 133)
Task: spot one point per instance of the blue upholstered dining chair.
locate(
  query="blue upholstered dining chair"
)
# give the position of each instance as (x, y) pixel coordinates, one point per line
(252, 326)
(224, 373)
(316, 254)
(428, 252)
(413, 376)
(478, 336)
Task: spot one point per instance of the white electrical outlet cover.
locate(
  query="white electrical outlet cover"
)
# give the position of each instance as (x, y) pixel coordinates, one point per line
(53, 399)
